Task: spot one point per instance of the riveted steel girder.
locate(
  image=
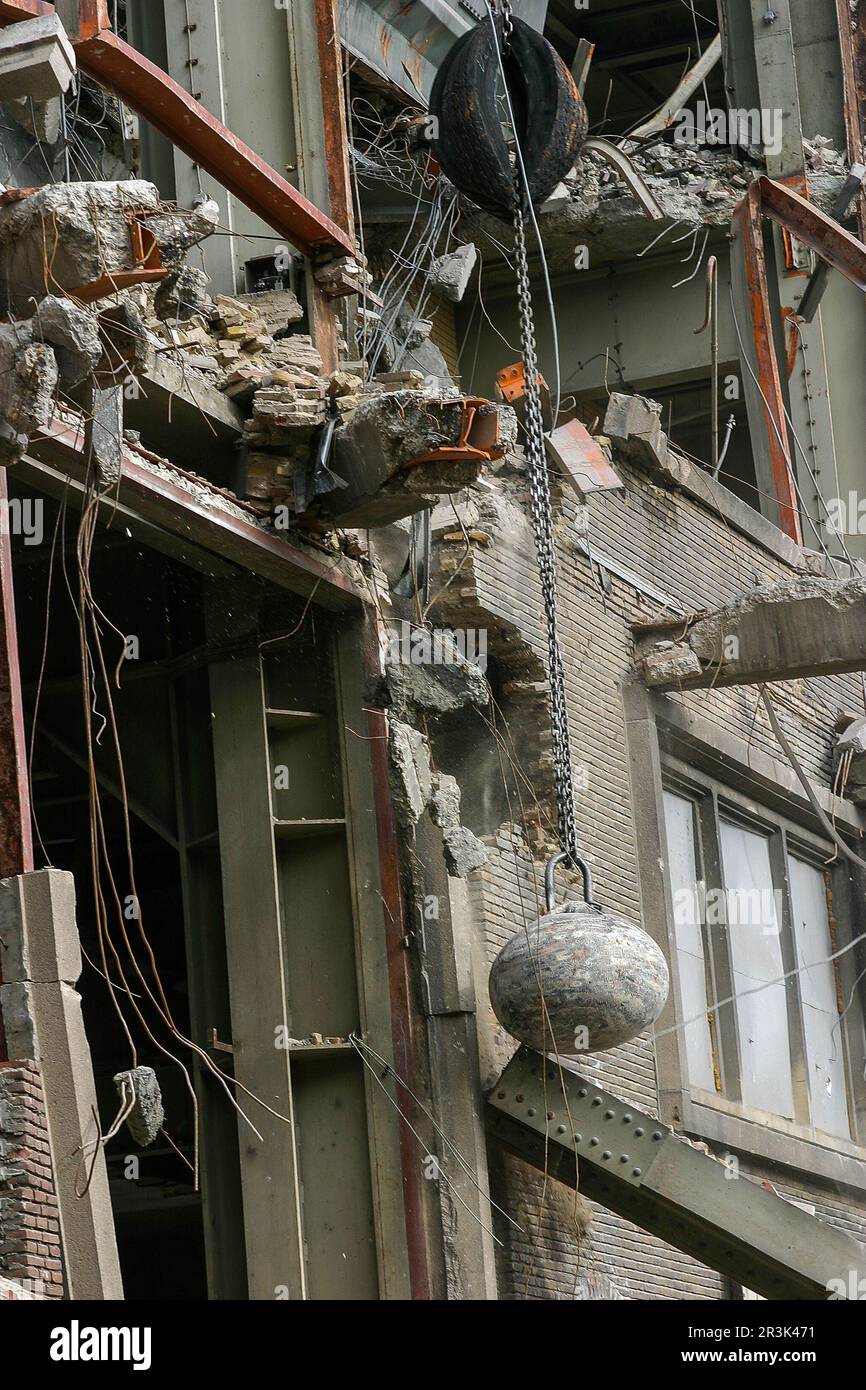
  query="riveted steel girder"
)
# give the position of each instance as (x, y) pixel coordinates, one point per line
(634, 1165)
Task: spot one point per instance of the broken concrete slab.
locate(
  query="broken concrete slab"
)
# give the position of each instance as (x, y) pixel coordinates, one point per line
(66, 236)
(71, 237)
(434, 675)
(36, 59)
(804, 627)
(634, 424)
(390, 453)
(412, 777)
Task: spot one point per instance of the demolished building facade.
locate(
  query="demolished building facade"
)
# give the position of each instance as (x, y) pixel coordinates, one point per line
(279, 770)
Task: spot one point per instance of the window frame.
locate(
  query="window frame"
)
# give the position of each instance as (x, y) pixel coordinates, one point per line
(712, 802)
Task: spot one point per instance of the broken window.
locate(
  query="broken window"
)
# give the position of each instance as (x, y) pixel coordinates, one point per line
(770, 1020)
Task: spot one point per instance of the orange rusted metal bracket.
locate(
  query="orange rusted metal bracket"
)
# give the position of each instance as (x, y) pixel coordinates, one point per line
(147, 263)
(144, 87)
(768, 198)
(511, 383)
(479, 440)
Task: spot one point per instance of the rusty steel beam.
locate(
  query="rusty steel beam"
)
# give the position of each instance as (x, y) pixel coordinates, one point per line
(749, 229)
(400, 988)
(334, 110)
(93, 18)
(202, 517)
(781, 203)
(852, 41)
(14, 11)
(824, 236)
(190, 126)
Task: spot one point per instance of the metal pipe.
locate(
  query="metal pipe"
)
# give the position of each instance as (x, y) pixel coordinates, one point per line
(712, 322)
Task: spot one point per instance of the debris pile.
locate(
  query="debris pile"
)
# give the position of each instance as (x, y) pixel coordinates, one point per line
(826, 170)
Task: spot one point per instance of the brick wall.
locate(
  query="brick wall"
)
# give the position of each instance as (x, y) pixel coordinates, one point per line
(685, 552)
(30, 1251)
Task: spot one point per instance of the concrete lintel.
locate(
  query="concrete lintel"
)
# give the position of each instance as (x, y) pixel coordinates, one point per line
(803, 627)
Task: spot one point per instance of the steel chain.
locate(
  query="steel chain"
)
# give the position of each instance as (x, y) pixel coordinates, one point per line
(507, 24)
(542, 520)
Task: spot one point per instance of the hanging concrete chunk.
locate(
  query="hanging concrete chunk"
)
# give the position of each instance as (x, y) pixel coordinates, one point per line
(451, 274)
(73, 333)
(140, 1088)
(36, 59)
(65, 236)
(78, 238)
(28, 385)
(412, 778)
(103, 433)
(434, 673)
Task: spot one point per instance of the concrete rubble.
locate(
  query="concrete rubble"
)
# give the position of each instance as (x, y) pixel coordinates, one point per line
(28, 383)
(68, 238)
(633, 424)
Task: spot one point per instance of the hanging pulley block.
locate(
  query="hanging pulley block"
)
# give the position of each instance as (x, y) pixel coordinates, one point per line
(550, 115)
(580, 979)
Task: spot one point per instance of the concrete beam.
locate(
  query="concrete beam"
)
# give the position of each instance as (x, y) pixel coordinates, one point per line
(804, 627)
(40, 955)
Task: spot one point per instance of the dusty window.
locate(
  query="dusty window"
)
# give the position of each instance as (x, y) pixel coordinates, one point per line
(769, 1020)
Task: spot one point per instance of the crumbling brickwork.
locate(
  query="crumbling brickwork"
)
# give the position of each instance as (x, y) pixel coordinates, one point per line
(30, 1251)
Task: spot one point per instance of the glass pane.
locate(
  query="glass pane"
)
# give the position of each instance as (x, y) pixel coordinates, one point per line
(682, 867)
(821, 1023)
(756, 958)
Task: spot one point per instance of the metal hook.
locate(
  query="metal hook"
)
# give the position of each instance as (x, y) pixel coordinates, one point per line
(550, 873)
